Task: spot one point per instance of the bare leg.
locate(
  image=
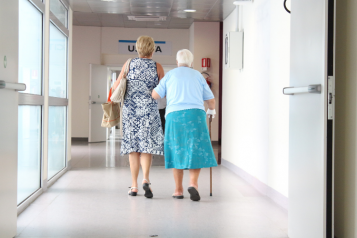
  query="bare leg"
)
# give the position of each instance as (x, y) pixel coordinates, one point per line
(194, 173)
(146, 160)
(178, 176)
(134, 160)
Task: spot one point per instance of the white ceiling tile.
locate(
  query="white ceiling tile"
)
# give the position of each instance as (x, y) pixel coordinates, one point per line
(95, 12)
(89, 24)
(85, 17)
(134, 24)
(83, 7)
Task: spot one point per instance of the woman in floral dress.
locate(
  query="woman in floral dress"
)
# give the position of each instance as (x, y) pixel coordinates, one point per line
(142, 131)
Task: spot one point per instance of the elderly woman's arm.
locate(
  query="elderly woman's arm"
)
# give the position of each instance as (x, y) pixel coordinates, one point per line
(155, 95)
(160, 71)
(116, 83)
(211, 103)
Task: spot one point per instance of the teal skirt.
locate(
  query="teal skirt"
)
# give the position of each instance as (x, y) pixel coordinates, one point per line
(187, 142)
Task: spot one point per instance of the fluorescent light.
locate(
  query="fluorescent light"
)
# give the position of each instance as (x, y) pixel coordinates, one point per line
(189, 10)
(242, 2)
(147, 18)
(108, 0)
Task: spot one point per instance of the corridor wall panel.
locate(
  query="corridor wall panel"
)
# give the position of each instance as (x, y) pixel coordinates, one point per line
(86, 50)
(204, 43)
(255, 124)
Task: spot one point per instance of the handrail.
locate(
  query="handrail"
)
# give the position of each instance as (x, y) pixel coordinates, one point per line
(14, 86)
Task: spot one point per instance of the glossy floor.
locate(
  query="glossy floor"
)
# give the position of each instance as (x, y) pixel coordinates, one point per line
(91, 200)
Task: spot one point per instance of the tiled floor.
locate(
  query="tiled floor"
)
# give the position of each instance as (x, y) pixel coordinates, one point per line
(91, 200)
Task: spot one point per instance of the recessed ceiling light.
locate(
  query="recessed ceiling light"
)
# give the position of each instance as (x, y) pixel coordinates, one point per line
(108, 0)
(189, 10)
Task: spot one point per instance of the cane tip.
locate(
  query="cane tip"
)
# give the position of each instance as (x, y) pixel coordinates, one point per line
(210, 194)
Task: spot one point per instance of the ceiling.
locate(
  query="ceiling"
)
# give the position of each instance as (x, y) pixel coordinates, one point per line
(115, 14)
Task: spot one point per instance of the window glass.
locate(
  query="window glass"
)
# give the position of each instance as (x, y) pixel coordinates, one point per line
(29, 151)
(57, 124)
(58, 63)
(30, 47)
(59, 11)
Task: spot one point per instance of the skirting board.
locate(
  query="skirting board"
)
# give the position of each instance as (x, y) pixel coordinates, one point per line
(264, 189)
(82, 139)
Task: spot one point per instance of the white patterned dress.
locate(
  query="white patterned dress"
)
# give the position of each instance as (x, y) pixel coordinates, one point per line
(142, 131)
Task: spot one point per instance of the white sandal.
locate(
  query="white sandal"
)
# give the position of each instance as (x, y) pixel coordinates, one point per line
(146, 187)
(131, 193)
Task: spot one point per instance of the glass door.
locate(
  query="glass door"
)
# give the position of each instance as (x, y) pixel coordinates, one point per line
(30, 109)
(43, 107)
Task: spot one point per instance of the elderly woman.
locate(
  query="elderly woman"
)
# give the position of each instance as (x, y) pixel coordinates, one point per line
(187, 140)
(142, 131)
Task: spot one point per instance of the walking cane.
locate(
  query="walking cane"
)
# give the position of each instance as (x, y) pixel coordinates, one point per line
(210, 169)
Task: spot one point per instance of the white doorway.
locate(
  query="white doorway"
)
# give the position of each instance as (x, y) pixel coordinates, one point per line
(98, 93)
(311, 121)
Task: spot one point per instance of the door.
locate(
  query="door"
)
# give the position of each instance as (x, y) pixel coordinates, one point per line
(97, 95)
(9, 116)
(311, 141)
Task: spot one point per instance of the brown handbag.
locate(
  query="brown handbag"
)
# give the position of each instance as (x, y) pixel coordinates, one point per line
(111, 115)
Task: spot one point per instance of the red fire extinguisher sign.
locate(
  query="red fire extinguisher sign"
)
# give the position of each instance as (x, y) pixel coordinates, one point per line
(206, 63)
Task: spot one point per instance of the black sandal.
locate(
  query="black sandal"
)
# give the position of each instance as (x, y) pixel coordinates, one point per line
(194, 195)
(131, 193)
(146, 187)
(178, 196)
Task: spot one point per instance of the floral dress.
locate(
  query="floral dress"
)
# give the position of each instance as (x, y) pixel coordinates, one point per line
(142, 131)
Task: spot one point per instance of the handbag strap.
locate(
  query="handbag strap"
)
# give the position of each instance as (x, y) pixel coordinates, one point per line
(127, 66)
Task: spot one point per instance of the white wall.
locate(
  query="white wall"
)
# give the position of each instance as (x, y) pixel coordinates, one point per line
(204, 43)
(192, 34)
(99, 45)
(86, 50)
(255, 112)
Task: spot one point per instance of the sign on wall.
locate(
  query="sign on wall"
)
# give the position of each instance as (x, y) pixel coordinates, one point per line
(127, 47)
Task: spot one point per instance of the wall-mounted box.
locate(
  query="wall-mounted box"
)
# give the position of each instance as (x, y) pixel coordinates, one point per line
(233, 50)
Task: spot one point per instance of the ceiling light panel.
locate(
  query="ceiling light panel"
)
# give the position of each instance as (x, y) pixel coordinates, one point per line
(210, 2)
(151, 1)
(150, 4)
(147, 18)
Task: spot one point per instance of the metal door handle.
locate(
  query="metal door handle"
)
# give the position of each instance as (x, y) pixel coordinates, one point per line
(313, 88)
(94, 102)
(14, 86)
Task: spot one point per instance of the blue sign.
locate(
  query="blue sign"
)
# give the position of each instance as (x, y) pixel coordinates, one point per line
(127, 47)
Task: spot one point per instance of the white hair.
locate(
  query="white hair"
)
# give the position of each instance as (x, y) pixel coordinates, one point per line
(184, 57)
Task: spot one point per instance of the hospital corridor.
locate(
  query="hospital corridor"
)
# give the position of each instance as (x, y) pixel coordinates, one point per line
(178, 118)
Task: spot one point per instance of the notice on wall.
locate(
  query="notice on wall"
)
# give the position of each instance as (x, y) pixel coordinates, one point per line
(127, 47)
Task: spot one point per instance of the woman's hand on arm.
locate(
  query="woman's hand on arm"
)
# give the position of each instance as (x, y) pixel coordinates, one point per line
(155, 95)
